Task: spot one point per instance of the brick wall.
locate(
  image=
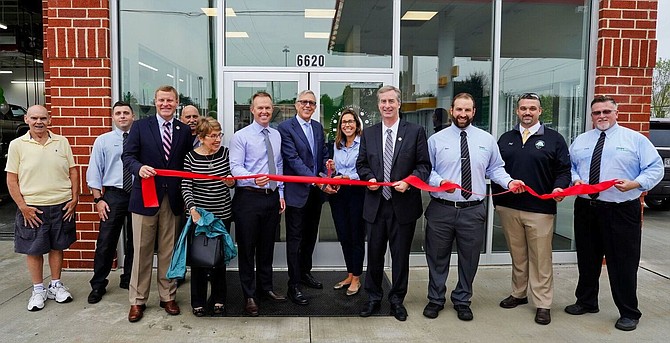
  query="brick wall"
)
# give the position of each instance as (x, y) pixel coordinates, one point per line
(77, 76)
(626, 57)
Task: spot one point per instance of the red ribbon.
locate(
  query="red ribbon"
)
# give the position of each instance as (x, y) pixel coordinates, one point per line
(151, 199)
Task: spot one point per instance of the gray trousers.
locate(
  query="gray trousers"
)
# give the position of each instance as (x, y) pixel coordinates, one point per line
(446, 224)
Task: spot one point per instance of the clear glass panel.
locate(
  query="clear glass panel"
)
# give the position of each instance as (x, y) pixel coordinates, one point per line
(157, 48)
(552, 62)
(334, 98)
(444, 51)
(272, 33)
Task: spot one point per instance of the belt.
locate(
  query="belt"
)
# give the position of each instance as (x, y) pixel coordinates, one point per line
(114, 189)
(600, 203)
(458, 204)
(258, 190)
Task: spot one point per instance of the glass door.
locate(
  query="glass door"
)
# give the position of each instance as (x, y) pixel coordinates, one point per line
(334, 93)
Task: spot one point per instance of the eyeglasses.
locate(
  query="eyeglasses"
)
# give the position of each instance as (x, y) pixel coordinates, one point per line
(605, 112)
(215, 135)
(349, 122)
(306, 102)
(529, 96)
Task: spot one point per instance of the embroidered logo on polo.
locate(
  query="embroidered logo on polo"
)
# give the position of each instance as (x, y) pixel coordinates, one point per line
(539, 144)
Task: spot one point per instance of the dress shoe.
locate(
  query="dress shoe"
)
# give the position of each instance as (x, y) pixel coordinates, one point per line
(353, 290)
(464, 312)
(432, 310)
(372, 307)
(136, 312)
(96, 295)
(124, 284)
(341, 284)
(251, 308)
(273, 296)
(296, 296)
(626, 324)
(543, 316)
(199, 312)
(219, 311)
(170, 307)
(512, 302)
(399, 312)
(309, 281)
(577, 309)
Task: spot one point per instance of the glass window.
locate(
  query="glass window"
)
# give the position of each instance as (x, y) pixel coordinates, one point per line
(157, 47)
(338, 33)
(550, 60)
(445, 49)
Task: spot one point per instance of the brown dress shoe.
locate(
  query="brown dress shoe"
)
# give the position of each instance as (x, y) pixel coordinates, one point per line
(251, 308)
(543, 316)
(136, 313)
(170, 307)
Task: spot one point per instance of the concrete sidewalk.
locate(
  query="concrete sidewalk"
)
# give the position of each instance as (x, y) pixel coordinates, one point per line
(107, 321)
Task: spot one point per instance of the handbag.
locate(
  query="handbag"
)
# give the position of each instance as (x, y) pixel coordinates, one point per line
(206, 252)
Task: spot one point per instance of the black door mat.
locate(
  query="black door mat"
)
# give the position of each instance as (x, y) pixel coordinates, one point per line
(325, 302)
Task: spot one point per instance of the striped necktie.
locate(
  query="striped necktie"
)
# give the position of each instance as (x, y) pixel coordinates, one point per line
(167, 140)
(594, 170)
(466, 173)
(388, 160)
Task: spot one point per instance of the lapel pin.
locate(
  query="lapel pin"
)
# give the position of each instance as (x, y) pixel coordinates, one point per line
(399, 139)
(178, 128)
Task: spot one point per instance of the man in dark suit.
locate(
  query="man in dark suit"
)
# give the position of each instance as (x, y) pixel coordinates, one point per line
(304, 151)
(159, 141)
(391, 151)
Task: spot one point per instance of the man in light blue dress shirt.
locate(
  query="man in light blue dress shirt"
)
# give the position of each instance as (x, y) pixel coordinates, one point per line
(456, 215)
(105, 179)
(609, 223)
(258, 202)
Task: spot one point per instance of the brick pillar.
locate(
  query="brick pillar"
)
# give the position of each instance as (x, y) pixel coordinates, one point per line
(77, 74)
(626, 58)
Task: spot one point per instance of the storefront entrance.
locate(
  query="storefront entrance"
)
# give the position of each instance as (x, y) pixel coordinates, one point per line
(334, 93)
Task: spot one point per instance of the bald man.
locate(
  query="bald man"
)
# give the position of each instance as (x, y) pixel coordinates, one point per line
(44, 183)
(190, 116)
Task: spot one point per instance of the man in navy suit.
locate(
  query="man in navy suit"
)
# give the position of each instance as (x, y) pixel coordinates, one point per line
(391, 151)
(304, 150)
(161, 142)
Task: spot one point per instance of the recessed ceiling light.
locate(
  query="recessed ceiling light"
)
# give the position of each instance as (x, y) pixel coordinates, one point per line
(38, 61)
(26, 82)
(170, 76)
(319, 13)
(210, 12)
(318, 35)
(418, 15)
(236, 34)
(147, 66)
(230, 12)
(3, 26)
(5, 71)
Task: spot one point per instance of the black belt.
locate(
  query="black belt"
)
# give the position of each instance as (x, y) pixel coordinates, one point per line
(115, 189)
(458, 204)
(600, 203)
(258, 190)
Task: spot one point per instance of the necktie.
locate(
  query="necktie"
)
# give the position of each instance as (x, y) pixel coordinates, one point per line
(466, 173)
(524, 136)
(167, 140)
(388, 160)
(310, 139)
(272, 168)
(594, 170)
(196, 142)
(127, 176)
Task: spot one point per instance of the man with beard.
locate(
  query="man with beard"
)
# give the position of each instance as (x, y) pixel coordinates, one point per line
(609, 223)
(190, 116)
(465, 155)
(539, 156)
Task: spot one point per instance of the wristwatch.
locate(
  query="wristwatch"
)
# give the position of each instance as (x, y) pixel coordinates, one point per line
(97, 200)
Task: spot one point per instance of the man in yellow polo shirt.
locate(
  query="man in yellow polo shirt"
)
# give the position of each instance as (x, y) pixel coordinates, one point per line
(44, 183)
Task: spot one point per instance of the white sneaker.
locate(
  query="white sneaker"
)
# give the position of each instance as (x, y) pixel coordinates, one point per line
(60, 293)
(36, 301)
